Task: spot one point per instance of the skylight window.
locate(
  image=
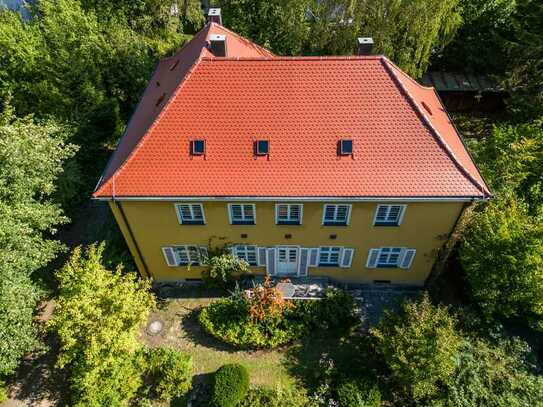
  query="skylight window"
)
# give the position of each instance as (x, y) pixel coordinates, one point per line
(198, 147)
(345, 147)
(262, 147)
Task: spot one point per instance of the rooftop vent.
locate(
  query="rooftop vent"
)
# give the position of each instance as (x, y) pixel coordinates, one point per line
(262, 147)
(345, 147)
(214, 16)
(365, 45)
(174, 65)
(218, 45)
(198, 147)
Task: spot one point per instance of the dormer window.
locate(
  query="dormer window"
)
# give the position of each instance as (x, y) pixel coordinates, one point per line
(198, 147)
(345, 147)
(262, 147)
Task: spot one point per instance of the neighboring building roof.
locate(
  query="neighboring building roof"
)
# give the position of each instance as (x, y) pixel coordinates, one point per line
(459, 82)
(404, 142)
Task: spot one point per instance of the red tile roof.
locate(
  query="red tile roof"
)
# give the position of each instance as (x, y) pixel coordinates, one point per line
(403, 140)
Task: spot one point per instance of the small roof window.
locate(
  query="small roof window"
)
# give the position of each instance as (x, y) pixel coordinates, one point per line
(262, 147)
(198, 147)
(345, 147)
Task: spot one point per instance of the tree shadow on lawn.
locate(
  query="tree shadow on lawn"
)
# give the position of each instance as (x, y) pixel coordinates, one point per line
(306, 359)
(197, 334)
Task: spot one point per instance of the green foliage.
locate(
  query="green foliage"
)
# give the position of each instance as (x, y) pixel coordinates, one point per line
(31, 156)
(97, 318)
(492, 376)
(230, 385)
(168, 373)
(511, 158)
(222, 270)
(278, 397)
(409, 32)
(3, 392)
(232, 320)
(420, 346)
(360, 393)
(502, 255)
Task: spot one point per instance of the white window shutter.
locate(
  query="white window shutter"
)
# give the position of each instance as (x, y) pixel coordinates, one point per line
(373, 256)
(407, 259)
(203, 255)
(313, 257)
(347, 257)
(261, 256)
(169, 256)
(231, 250)
(270, 261)
(304, 262)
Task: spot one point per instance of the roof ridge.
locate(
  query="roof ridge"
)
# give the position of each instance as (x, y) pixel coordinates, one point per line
(388, 66)
(297, 58)
(262, 50)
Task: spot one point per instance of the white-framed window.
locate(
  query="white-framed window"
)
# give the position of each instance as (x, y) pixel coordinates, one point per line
(389, 215)
(242, 214)
(336, 215)
(184, 255)
(329, 256)
(190, 213)
(288, 214)
(391, 257)
(246, 252)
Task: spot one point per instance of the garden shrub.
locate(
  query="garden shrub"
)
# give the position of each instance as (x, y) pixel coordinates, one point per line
(230, 385)
(3, 391)
(223, 269)
(420, 346)
(265, 320)
(168, 371)
(278, 397)
(358, 394)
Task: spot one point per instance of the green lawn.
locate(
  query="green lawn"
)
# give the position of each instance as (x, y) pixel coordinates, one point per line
(183, 332)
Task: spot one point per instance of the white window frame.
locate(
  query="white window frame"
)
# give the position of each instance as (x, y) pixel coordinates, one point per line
(387, 222)
(339, 256)
(191, 262)
(335, 222)
(402, 252)
(288, 221)
(241, 251)
(231, 205)
(192, 221)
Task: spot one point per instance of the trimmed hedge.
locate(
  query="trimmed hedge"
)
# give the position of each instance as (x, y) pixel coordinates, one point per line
(230, 385)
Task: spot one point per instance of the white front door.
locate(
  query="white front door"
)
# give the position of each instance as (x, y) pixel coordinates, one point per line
(287, 260)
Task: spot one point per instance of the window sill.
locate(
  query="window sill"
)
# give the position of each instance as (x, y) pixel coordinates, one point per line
(385, 224)
(241, 222)
(288, 223)
(334, 224)
(386, 266)
(328, 265)
(192, 222)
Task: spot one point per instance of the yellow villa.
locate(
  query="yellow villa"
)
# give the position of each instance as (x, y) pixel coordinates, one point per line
(342, 167)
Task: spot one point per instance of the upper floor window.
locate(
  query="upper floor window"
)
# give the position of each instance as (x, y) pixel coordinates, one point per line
(190, 214)
(389, 215)
(337, 215)
(288, 214)
(390, 257)
(247, 253)
(198, 147)
(329, 256)
(242, 214)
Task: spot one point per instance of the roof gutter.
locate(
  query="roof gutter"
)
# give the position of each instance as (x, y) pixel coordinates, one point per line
(294, 198)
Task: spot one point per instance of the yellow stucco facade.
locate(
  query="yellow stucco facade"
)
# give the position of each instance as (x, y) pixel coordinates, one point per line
(150, 225)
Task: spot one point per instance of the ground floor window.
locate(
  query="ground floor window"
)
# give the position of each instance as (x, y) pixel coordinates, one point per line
(329, 256)
(247, 253)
